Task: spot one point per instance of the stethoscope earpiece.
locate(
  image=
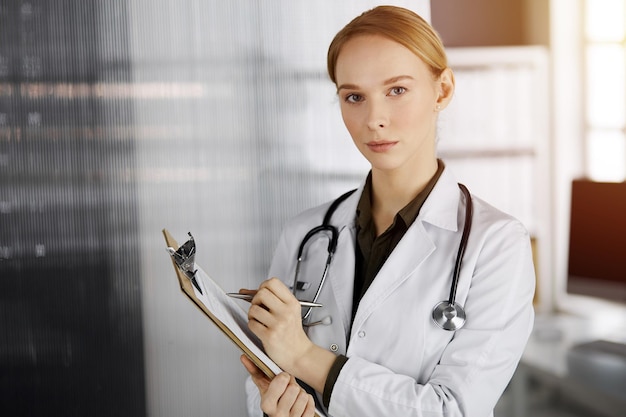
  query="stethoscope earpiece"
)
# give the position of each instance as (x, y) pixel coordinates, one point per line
(449, 316)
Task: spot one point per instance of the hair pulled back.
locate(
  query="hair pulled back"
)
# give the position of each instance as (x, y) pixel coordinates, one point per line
(397, 24)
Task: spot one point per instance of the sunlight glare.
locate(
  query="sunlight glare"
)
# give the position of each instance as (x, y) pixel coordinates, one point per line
(606, 151)
(606, 102)
(604, 20)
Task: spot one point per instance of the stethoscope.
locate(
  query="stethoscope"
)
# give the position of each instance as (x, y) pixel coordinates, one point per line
(447, 314)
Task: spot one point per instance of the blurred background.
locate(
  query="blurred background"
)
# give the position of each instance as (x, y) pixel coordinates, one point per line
(119, 119)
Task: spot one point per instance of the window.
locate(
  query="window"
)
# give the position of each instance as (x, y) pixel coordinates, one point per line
(605, 89)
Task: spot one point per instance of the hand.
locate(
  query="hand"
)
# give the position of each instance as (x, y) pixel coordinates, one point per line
(282, 396)
(275, 318)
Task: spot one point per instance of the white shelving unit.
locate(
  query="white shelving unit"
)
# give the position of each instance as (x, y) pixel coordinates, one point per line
(495, 135)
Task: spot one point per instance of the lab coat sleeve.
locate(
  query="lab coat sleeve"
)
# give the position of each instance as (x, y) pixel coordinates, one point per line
(478, 362)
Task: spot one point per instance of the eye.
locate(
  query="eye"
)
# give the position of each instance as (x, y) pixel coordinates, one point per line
(396, 91)
(353, 98)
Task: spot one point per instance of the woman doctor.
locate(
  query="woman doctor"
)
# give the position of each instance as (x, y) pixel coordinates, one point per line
(373, 349)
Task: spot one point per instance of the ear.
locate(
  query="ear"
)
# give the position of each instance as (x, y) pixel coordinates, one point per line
(446, 89)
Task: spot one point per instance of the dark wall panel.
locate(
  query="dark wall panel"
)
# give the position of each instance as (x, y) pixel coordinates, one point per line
(70, 303)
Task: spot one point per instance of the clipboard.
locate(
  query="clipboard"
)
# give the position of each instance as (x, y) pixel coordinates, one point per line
(197, 287)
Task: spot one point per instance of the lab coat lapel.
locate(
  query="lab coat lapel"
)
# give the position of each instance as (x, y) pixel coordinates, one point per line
(342, 269)
(411, 251)
(440, 210)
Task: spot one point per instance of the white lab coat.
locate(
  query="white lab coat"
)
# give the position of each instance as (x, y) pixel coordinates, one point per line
(400, 362)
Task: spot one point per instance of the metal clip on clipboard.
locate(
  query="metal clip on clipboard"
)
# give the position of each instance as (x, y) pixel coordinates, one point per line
(185, 259)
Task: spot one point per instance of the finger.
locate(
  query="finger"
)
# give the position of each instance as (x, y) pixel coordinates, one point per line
(275, 297)
(260, 315)
(266, 298)
(289, 397)
(258, 377)
(310, 407)
(275, 390)
(269, 310)
(250, 366)
(299, 406)
(304, 404)
(279, 289)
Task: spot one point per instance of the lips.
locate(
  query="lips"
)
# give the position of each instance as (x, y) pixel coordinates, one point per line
(380, 146)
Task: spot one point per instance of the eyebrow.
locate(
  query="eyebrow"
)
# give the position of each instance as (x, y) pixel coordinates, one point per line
(391, 80)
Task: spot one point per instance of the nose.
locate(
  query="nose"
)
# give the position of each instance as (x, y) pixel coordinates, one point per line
(377, 117)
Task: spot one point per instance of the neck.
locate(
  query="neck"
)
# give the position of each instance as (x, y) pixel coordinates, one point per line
(392, 190)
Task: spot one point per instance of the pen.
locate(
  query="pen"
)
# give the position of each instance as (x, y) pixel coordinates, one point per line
(247, 297)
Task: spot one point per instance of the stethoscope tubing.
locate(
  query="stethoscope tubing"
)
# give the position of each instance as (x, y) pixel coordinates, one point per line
(332, 247)
(467, 226)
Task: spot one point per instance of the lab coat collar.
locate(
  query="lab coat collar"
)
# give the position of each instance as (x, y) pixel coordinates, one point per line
(442, 205)
(440, 208)
(345, 214)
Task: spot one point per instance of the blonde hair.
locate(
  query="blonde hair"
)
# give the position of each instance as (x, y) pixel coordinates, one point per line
(399, 25)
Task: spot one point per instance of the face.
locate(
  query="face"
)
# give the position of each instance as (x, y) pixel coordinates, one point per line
(389, 102)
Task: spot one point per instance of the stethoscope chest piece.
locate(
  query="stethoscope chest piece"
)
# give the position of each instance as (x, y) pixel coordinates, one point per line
(449, 316)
